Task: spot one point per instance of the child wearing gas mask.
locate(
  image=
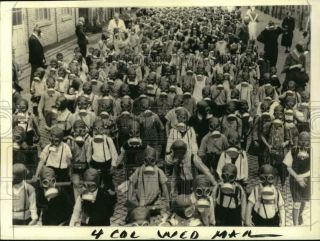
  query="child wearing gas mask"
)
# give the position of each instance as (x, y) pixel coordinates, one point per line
(79, 143)
(64, 116)
(203, 201)
(256, 146)
(212, 145)
(53, 203)
(56, 155)
(183, 132)
(38, 87)
(83, 114)
(62, 83)
(139, 216)
(236, 155)
(94, 207)
(302, 113)
(148, 182)
(230, 121)
(61, 62)
(219, 95)
(265, 204)
(230, 199)
(200, 120)
(152, 129)
(47, 100)
(93, 98)
(171, 116)
(246, 120)
(124, 119)
(297, 162)
(275, 139)
(102, 155)
(246, 93)
(27, 121)
(189, 102)
(24, 197)
(184, 166)
(183, 212)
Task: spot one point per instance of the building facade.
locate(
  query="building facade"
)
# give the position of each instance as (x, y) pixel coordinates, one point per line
(56, 24)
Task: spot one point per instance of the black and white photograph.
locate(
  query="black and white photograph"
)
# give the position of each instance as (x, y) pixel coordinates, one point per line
(184, 116)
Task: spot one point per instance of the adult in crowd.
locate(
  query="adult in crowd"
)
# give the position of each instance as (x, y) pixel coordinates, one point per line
(116, 24)
(269, 37)
(288, 25)
(294, 67)
(253, 16)
(82, 37)
(36, 52)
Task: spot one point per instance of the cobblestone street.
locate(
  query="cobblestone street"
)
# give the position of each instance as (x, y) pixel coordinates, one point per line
(120, 212)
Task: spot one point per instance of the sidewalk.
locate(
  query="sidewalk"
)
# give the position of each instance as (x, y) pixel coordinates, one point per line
(66, 47)
(263, 21)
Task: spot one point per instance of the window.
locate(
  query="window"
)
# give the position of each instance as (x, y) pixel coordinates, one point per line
(66, 11)
(16, 16)
(43, 14)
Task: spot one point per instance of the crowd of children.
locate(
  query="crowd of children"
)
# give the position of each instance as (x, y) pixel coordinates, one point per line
(178, 99)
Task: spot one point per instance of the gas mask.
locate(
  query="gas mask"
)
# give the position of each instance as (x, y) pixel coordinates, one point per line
(303, 154)
(265, 116)
(88, 194)
(137, 224)
(79, 140)
(135, 141)
(94, 81)
(60, 79)
(172, 88)
(228, 186)
(50, 91)
(83, 112)
(231, 117)
(203, 202)
(215, 134)
(181, 127)
(220, 87)
(267, 195)
(149, 167)
(266, 179)
(104, 115)
(50, 188)
(98, 138)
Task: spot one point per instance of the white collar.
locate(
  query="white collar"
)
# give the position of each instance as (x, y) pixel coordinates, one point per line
(17, 190)
(36, 37)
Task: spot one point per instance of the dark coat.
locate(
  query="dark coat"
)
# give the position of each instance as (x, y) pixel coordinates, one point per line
(36, 52)
(57, 211)
(100, 211)
(288, 25)
(82, 40)
(269, 37)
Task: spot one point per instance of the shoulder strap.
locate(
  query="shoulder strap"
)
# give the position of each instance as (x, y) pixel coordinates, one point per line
(61, 156)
